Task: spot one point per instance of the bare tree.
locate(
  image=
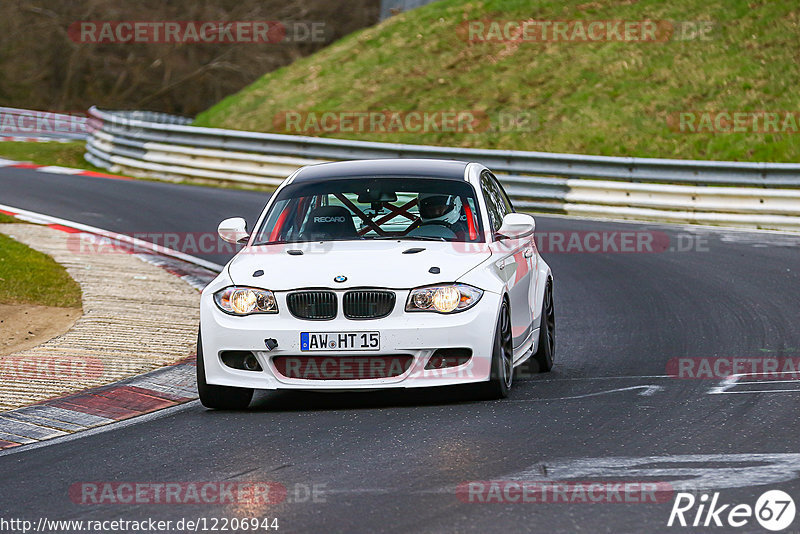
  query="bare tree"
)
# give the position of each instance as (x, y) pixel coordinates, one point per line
(42, 67)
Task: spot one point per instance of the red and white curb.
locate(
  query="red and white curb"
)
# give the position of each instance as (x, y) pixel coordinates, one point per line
(132, 397)
(156, 390)
(55, 169)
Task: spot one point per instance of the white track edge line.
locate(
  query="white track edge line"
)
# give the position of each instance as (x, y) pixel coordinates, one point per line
(114, 235)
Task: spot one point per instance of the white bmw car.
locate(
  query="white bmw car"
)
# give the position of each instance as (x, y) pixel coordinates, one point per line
(365, 275)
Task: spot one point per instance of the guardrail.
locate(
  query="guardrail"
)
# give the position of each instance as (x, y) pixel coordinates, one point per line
(42, 125)
(742, 194)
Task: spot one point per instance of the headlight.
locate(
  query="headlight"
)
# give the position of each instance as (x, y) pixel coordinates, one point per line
(448, 298)
(245, 300)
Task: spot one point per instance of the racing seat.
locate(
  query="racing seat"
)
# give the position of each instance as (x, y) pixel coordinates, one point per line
(330, 222)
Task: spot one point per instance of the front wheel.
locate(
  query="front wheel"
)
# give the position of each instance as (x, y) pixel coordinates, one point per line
(542, 360)
(219, 397)
(502, 372)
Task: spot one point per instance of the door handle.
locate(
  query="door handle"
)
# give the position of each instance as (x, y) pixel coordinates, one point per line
(528, 253)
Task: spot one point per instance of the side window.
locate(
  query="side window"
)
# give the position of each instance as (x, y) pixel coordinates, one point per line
(497, 204)
(506, 201)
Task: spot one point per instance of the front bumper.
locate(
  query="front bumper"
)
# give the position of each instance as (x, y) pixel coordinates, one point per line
(417, 334)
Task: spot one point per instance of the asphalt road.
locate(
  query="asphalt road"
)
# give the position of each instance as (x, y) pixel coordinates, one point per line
(392, 462)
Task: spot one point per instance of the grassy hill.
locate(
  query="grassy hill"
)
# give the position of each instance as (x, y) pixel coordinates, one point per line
(609, 98)
(28, 276)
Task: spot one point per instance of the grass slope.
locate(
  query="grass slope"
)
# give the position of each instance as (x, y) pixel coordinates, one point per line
(30, 277)
(62, 154)
(609, 98)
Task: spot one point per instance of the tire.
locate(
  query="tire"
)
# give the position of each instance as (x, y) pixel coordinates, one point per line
(502, 370)
(542, 360)
(219, 397)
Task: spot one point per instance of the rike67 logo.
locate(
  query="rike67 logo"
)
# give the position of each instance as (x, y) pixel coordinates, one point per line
(774, 510)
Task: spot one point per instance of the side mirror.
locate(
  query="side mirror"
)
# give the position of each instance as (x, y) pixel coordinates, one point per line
(233, 230)
(517, 226)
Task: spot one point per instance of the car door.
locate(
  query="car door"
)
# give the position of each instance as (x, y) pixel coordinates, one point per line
(532, 259)
(514, 259)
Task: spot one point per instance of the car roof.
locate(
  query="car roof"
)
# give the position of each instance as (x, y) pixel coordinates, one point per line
(375, 168)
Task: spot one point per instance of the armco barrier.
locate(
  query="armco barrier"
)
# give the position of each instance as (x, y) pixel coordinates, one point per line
(726, 193)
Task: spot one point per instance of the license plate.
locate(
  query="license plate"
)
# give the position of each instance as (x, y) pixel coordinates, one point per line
(322, 341)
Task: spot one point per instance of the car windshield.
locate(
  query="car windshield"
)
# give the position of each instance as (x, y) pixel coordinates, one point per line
(373, 208)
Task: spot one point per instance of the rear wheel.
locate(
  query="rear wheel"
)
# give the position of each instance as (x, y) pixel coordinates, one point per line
(502, 373)
(219, 397)
(542, 360)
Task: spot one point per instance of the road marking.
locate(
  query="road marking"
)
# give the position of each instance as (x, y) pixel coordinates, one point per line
(763, 391)
(649, 390)
(631, 377)
(743, 470)
(772, 382)
(55, 169)
(680, 471)
(732, 381)
(47, 219)
(725, 385)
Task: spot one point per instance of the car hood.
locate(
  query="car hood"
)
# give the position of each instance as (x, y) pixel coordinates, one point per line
(392, 264)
